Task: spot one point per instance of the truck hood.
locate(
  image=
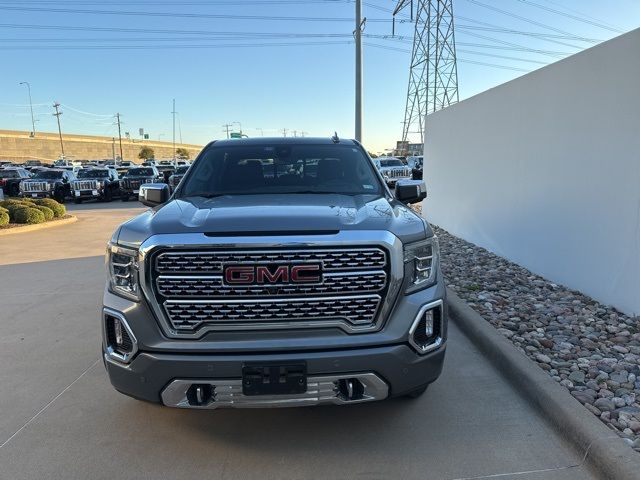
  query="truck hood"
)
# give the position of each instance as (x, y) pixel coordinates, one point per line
(272, 214)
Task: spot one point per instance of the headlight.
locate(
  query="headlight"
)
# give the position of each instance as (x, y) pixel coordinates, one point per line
(122, 266)
(99, 185)
(420, 264)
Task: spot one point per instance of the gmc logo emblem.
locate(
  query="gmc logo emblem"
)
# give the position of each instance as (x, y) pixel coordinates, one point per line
(272, 274)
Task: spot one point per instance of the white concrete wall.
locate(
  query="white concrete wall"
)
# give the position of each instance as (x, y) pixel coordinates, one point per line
(545, 171)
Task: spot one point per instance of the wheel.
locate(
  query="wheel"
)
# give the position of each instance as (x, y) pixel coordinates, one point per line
(125, 197)
(14, 191)
(417, 392)
(59, 196)
(107, 196)
(77, 200)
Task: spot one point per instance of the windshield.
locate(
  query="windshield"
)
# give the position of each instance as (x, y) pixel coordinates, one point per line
(181, 170)
(93, 174)
(391, 163)
(9, 174)
(49, 174)
(251, 169)
(140, 172)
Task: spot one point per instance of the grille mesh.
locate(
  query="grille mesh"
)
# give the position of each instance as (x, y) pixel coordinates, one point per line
(355, 310)
(212, 286)
(34, 186)
(189, 286)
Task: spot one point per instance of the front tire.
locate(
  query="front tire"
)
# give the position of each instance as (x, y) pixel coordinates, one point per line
(125, 197)
(77, 201)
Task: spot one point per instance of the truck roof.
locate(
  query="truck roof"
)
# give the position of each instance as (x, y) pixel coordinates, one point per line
(282, 141)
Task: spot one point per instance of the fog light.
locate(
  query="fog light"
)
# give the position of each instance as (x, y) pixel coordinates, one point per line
(119, 341)
(425, 333)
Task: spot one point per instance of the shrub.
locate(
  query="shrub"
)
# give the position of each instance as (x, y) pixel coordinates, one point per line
(11, 201)
(12, 207)
(4, 218)
(58, 208)
(48, 213)
(28, 215)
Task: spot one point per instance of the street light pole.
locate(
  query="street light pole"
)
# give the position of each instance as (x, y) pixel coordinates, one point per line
(358, 35)
(174, 132)
(33, 122)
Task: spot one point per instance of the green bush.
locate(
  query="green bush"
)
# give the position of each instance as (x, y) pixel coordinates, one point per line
(11, 201)
(12, 207)
(48, 213)
(4, 218)
(58, 208)
(27, 215)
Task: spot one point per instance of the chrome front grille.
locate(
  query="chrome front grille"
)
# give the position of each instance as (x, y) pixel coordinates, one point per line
(85, 185)
(190, 315)
(189, 287)
(34, 186)
(195, 286)
(211, 262)
(399, 173)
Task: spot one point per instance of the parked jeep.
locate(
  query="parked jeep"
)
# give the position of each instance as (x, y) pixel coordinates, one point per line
(52, 183)
(392, 170)
(137, 176)
(10, 179)
(96, 183)
(174, 180)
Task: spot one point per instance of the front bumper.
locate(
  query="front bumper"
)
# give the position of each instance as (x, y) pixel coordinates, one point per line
(398, 366)
(48, 194)
(88, 194)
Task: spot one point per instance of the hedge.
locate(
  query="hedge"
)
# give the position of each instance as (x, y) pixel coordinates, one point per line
(58, 208)
(27, 215)
(48, 213)
(4, 218)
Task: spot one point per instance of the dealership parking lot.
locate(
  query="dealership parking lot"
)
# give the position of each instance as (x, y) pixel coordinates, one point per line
(61, 418)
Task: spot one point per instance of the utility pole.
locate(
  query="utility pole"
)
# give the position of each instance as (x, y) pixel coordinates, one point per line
(119, 138)
(56, 105)
(33, 122)
(226, 126)
(284, 132)
(358, 34)
(174, 133)
(113, 149)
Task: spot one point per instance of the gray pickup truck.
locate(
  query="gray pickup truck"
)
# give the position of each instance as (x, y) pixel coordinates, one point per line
(281, 272)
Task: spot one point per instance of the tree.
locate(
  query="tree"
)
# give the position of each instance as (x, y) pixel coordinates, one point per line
(182, 153)
(373, 155)
(146, 153)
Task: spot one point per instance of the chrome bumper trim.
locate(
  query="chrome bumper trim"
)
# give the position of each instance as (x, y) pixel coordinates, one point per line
(227, 393)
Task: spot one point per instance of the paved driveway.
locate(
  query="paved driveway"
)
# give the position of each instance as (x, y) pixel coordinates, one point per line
(60, 418)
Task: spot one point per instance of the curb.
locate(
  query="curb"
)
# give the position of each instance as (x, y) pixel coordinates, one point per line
(39, 226)
(605, 452)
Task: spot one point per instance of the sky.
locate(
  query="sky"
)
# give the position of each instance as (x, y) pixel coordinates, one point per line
(262, 65)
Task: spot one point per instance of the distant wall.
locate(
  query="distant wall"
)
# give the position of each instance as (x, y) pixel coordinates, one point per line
(545, 171)
(17, 145)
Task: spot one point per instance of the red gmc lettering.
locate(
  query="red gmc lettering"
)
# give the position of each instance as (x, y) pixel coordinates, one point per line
(239, 274)
(302, 274)
(281, 273)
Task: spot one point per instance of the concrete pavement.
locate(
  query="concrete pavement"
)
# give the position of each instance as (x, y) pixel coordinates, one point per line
(60, 418)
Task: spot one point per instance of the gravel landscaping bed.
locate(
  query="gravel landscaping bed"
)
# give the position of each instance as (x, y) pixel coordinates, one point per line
(591, 349)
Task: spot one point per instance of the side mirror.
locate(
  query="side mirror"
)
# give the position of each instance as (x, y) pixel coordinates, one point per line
(411, 191)
(153, 194)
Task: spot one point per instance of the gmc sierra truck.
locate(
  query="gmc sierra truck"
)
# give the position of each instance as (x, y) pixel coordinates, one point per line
(280, 272)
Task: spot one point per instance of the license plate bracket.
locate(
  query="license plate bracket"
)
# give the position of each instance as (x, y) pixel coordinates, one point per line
(274, 379)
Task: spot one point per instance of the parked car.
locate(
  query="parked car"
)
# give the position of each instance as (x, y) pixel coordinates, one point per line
(96, 183)
(166, 171)
(415, 164)
(33, 163)
(10, 179)
(53, 183)
(174, 179)
(392, 170)
(134, 177)
(262, 284)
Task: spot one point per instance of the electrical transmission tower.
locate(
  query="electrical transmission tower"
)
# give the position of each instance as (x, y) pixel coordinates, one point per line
(433, 75)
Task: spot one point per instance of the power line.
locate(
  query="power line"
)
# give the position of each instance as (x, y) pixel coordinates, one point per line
(186, 15)
(162, 47)
(573, 17)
